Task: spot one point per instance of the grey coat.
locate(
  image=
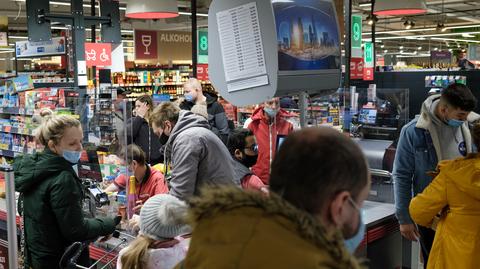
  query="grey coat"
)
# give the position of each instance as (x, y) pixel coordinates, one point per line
(198, 157)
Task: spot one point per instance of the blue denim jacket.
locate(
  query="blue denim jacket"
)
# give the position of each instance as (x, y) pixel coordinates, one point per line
(415, 156)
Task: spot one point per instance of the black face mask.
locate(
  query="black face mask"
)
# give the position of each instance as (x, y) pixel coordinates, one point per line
(164, 138)
(248, 160)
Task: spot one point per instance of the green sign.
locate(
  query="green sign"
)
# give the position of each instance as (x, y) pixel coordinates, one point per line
(357, 31)
(368, 54)
(202, 47)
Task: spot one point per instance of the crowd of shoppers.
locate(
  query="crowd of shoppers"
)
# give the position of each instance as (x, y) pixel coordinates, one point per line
(267, 207)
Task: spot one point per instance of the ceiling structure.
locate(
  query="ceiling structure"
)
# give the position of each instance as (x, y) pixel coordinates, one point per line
(461, 19)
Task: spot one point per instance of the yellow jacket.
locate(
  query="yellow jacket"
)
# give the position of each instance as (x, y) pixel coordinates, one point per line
(245, 230)
(456, 191)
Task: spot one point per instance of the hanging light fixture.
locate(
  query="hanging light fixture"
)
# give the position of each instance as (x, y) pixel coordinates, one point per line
(408, 24)
(371, 19)
(404, 7)
(151, 9)
(441, 27)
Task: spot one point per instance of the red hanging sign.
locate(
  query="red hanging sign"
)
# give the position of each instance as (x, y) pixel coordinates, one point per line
(146, 46)
(98, 54)
(368, 73)
(356, 68)
(202, 72)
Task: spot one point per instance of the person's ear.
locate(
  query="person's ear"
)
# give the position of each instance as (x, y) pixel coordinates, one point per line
(134, 165)
(337, 208)
(51, 146)
(238, 154)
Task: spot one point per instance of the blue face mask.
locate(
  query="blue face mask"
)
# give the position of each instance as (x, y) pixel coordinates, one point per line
(189, 98)
(353, 243)
(270, 112)
(455, 123)
(72, 156)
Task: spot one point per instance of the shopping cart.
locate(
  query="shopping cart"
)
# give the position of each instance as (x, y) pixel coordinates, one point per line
(72, 253)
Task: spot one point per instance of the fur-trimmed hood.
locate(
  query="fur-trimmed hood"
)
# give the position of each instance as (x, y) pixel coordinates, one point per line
(221, 202)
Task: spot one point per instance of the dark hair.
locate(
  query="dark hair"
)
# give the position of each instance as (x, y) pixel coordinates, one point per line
(315, 164)
(134, 153)
(459, 96)
(236, 139)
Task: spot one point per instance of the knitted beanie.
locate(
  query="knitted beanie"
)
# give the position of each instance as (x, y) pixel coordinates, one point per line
(163, 217)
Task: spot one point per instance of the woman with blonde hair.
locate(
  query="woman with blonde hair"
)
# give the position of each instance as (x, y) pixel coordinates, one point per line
(51, 196)
(454, 195)
(160, 244)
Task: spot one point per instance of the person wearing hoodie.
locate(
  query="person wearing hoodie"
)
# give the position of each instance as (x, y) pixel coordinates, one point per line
(312, 217)
(455, 192)
(244, 151)
(195, 96)
(197, 156)
(441, 132)
(51, 196)
(267, 122)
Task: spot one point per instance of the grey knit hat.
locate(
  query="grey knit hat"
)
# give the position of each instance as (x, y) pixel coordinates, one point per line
(163, 216)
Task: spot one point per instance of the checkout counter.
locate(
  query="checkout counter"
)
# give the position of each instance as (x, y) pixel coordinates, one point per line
(377, 118)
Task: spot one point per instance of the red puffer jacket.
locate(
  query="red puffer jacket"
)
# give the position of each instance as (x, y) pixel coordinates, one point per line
(266, 135)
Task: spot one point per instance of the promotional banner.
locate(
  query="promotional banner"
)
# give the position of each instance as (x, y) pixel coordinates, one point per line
(56, 46)
(146, 46)
(356, 68)
(98, 54)
(356, 62)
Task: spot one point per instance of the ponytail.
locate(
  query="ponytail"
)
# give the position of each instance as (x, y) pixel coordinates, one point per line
(136, 254)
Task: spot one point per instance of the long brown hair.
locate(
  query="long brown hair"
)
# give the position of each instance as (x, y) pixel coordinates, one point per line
(135, 256)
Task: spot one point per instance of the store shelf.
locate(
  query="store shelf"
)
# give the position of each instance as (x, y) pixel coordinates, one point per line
(15, 130)
(10, 153)
(149, 85)
(16, 111)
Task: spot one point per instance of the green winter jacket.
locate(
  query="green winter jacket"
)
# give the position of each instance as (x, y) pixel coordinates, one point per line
(52, 209)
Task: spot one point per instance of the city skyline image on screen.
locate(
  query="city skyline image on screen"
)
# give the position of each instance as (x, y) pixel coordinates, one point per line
(307, 35)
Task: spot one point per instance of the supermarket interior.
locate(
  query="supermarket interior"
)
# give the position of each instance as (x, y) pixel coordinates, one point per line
(124, 122)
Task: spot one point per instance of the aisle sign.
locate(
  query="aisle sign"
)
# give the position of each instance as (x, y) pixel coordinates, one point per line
(356, 31)
(368, 60)
(146, 46)
(202, 47)
(98, 54)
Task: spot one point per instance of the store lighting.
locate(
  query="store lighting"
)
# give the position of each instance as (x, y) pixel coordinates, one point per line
(422, 29)
(441, 27)
(365, 5)
(467, 35)
(401, 47)
(385, 51)
(151, 9)
(408, 24)
(458, 40)
(382, 46)
(419, 48)
(396, 8)
(419, 37)
(371, 19)
(401, 51)
(18, 37)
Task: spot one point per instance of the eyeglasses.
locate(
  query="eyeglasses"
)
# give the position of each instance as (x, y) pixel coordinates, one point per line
(253, 147)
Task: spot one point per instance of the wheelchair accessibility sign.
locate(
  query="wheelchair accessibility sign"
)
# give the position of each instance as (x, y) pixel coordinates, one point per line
(98, 54)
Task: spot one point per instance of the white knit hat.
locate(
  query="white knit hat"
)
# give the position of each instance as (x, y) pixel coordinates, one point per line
(163, 216)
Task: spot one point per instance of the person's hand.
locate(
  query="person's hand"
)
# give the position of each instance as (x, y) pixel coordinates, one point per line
(264, 190)
(409, 231)
(138, 206)
(134, 223)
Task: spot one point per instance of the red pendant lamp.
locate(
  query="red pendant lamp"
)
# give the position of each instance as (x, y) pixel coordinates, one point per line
(399, 8)
(151, 9)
